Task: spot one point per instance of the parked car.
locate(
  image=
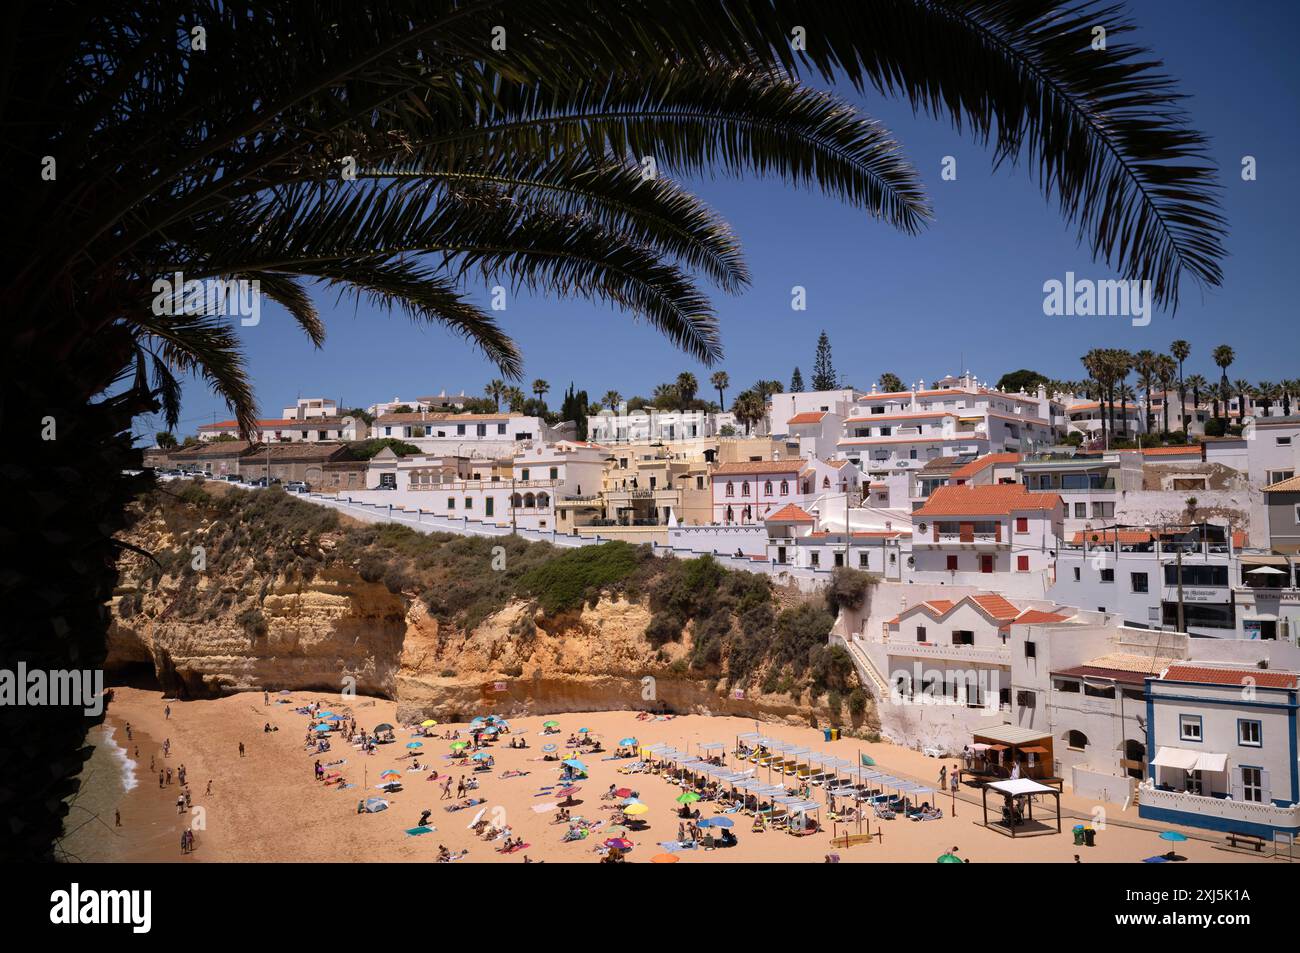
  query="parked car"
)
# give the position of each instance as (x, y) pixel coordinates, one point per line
(296, 486)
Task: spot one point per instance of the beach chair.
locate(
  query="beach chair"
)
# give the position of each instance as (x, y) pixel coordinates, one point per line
(883, 811)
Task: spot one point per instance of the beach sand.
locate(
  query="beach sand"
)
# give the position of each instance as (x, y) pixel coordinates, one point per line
(267, 806)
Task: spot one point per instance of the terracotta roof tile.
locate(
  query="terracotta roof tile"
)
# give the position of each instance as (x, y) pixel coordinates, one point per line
(808, 417)
(996, 500)
(997, 607)
(790, 514)
(759, 466)
(1230, 676)
(980, 464)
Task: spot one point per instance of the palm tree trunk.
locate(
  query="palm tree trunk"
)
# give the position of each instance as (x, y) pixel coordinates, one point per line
(65, 499)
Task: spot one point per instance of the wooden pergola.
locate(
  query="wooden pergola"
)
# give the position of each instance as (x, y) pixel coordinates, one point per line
(1019, 787)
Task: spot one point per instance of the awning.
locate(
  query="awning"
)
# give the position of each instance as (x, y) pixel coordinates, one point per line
(1035, 749)
(1191, 760)
(1019, 786)
(997, 747)
(1176, 758)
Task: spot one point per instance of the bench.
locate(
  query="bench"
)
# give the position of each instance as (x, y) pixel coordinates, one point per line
(1247, 840)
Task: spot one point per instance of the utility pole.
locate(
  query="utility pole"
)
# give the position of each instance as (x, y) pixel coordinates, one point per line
(1182, 625)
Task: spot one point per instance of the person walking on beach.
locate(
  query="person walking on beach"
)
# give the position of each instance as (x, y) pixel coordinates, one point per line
(167, 712)
(446, 789)
(167, 747)
(953, 780)
(943, 777)
(180, 774)
(266, 698)
(160, 780)
(460, 787)
(169, 775)
(128, 731)
(209, 790)
(117, 818)
(241, 749)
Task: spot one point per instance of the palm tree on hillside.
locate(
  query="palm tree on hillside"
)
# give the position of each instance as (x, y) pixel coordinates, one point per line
(540, 388)
(515, 398)
(391, 151)
(1181, 351)
(1268, 393)
(1144, 362)
(749, 409)
(1126, 393)
(687, 387)
(1198, 385)
(495, 390)
(1099, 372)
(1244, 390)
(720, 382)
(1223, 356)
(612, 399)
(1290, 389)
(1166, 371)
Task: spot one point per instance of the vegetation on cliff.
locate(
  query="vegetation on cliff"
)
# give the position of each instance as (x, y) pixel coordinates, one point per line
(733, 624)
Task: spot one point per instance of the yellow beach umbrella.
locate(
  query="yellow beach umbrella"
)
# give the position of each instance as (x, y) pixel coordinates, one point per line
(428, 723)
(635, 809)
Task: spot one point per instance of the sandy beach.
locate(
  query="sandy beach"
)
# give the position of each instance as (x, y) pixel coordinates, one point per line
(267, 805)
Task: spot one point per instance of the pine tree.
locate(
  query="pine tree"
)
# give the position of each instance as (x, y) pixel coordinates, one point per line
(824, 377)
(796, 382)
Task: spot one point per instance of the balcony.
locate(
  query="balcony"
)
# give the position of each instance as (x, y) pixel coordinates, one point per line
(1001, 655)
(1215, 811)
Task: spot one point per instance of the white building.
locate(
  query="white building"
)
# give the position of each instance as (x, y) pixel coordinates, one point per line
(1225, 744)
(475, 435)
(965, 534)
(651, 425)
(781, 407)
(314, 429)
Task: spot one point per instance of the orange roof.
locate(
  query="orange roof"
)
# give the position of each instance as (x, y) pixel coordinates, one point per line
(980, 464)
(1230, 676)
(808, 417)
(997, 607)
(1284, 486)
(871, 418)
(1107, 535)
(1173, 451)
(760, 466)
(1000, 499)
(1039, 617)
(790, 514)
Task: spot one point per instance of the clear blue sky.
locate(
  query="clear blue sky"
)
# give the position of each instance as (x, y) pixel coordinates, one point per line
(969, 288)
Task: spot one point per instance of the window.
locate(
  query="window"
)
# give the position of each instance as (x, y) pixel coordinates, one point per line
(731, 489)
(1277, 476)
(555, 473)
(1284, 441)
(1076, 740)
(839, 559)
(1138, 581)
(1108, 575)
(1031, 650)
(952, 563)
(1077, 574)
(469, 502)
(863, 560)
(1080, 511)
(1202, 576)
(1252, 784)
(1189, 727)
(963, 637)
(816, 559)
(920, 633)
(451, 502)
(488, 506)
(501, 428)
(785, 487)
(1250, 733)
(481, 430)
(1022, 564)
(460, 430)
(524, 473)
(744, 488)
(1022, 524)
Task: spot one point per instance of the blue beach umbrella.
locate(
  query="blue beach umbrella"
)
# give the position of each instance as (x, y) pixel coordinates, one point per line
(415, 744)
(1172, 835)
(716, 822)
(482, 756)
(548, 747)
(575, 764)
(628, 741)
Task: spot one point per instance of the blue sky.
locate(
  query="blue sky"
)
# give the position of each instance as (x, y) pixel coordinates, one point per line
(969, 289)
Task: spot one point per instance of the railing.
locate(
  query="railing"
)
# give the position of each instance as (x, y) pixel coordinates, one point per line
(998, 655)
(1252, 812)
(968, 538)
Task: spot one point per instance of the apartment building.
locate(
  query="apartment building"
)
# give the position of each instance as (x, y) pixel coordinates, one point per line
(1225, 742)
(1091, 487)
(964, 534)
(317, 428)
(476, 435)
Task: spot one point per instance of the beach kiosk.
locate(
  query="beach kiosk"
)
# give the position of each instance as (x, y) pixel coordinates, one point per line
(1001, 750)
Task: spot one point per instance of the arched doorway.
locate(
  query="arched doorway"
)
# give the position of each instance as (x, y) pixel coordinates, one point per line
(1135, 759)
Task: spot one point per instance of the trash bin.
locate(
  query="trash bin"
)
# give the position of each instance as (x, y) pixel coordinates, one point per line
(827, 733)
(1078, 835)
(1090, 837)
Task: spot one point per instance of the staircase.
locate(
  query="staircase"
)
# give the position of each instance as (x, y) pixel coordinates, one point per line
(867, 672)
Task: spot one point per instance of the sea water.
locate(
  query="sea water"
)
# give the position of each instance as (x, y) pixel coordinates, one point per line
(107, 776)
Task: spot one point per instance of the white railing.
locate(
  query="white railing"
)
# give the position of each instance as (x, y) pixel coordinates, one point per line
(1252, 812)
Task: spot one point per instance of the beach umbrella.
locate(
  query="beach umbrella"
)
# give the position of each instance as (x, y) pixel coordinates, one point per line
(384, 774)
(616, 830)
(428, 723)
(384, 727)
(630, 799)
(575, 764)
(687, 797)
(568, 790)
(636, 809)
(324, 728)
(619, 843)
(375, 804)
(628, 741)
(285, 691)
(949, 859)
(1172, 835)
(867, 761)
(459, 745)
(323, 714)
(478, 721)
(415, 744)
(664, 859)
(623, 792)
(481, 756)
(548, 747)
(477, 817)
(717, 822)
(550, 724)
(583, 731)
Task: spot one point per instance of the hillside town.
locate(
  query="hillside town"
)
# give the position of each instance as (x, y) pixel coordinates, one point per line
(1084, 584)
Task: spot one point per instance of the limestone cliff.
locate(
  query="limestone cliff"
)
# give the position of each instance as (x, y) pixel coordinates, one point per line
(241, 623)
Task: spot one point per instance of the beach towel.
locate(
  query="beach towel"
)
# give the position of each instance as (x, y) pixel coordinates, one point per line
(416, 831)
(544, 808)
(511, 850)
